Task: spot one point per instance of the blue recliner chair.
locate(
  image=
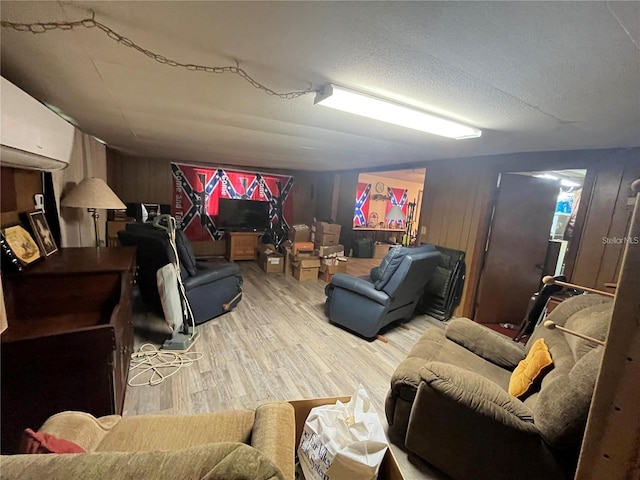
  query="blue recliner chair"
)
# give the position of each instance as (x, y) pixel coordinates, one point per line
(212, 289)
(364, 305)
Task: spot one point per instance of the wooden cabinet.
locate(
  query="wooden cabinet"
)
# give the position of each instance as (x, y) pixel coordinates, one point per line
(69, 337)
(242, 245)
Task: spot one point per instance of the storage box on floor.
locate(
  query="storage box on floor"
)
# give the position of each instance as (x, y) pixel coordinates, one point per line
(269, 259)
(326, 234)
(306, 268)
(331, 266)
(381, 249)
(389, 470)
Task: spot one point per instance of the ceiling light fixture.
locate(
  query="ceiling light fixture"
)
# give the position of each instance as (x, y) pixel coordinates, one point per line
(569, 183)
(367, 106)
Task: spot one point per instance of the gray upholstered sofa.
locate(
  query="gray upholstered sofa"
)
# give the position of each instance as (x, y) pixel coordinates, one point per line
(449, 400)
(391, 292)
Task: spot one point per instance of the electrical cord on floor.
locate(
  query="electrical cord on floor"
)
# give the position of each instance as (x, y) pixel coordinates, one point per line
(156, 365)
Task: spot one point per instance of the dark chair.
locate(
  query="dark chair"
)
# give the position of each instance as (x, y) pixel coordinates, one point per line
(537, 308)
(364, 305)
(443, 292)
(211, 289)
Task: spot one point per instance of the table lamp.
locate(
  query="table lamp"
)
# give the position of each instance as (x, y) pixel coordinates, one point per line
(92, 194)
(395, 215)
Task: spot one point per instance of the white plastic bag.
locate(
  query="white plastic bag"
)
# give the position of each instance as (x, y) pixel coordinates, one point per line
(344, 441)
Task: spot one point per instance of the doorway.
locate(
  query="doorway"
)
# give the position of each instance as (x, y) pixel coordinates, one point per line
(387, 205)
(532, 225)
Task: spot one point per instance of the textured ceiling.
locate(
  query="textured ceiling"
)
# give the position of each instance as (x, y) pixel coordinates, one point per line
(533, 76)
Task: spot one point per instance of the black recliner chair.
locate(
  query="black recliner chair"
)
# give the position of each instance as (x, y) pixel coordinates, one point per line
(364, 305)
(211, 289)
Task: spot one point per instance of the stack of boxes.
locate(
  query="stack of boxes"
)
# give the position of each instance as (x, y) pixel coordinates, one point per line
(326, 238)
(314, 251)
(301, 259)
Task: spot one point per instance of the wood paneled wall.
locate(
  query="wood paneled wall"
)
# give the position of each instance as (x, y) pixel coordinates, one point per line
(459, 195)
(455, 206)
(599, 254)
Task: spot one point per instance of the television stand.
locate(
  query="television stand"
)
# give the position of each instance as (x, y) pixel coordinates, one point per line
(242, 245)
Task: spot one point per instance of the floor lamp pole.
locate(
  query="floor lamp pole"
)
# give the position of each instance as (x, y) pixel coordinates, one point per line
(95, 215)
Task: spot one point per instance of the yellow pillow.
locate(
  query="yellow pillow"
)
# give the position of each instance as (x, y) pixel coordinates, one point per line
(532, 368)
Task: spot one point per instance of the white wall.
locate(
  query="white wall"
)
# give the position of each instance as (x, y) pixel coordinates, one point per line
(88, 159)
(379, 206)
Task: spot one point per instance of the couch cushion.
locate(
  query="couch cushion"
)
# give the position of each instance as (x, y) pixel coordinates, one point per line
(79, 427)
(593, 322)
(530, 370)
(168, 432)
(435, 346)
(562, 406)
(389, 265)
(185, 253)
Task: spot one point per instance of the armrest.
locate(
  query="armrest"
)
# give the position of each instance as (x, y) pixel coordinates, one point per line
(359, 286)
(478, 394)
(80, 428)
(486, 343)
(274, 434)
(206, 275)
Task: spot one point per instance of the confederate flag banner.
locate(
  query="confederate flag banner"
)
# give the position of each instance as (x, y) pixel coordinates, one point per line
(197, 189)
(361, 213)
(397, 196)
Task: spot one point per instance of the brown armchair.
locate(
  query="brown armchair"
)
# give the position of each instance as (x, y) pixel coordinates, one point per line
(449, 401)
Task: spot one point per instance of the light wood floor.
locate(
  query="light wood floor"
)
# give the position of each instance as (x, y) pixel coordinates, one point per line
(278, 345)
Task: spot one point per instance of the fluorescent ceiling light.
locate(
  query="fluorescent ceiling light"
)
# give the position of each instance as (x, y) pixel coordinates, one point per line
(546, 176)
(367, 106)
(569, 183)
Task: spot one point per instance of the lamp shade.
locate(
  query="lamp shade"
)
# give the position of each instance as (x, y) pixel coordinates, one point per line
(395, 214)
(92, 193)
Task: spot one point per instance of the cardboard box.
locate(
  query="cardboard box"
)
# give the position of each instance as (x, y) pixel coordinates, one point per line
(334, 265)
(272, 263)
(326, 251)
(306, 269)
(326, 239)
(302, 248)
(288, 261)
(325, 276)
(300, 233)
(381, 249)
(324, 228)
(389, 470)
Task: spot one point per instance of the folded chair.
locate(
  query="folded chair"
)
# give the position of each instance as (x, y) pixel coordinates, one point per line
(443, 292)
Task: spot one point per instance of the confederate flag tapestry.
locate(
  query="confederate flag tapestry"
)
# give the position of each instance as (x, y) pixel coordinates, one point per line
(197, 189)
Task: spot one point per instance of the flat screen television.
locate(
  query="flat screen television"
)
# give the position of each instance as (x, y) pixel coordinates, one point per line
(250, 215)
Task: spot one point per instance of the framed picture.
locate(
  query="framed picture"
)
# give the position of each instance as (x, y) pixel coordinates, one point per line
(18, 245)
(41, 231)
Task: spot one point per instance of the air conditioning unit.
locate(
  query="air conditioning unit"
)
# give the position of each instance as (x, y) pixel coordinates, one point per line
(31, 135)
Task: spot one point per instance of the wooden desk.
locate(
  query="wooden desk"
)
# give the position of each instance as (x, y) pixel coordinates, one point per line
(242, 245)
(69, 337)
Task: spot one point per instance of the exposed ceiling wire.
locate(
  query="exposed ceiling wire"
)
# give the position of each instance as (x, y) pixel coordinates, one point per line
(43, 27)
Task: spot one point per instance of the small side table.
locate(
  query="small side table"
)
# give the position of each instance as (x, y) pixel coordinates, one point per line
(242, 245)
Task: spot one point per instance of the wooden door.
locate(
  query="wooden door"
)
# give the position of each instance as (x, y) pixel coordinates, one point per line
(517, 248)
